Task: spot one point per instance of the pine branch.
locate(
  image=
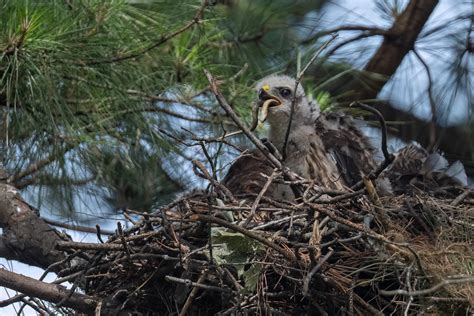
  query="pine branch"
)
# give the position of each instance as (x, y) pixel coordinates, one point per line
(163, 39)
(38, 165)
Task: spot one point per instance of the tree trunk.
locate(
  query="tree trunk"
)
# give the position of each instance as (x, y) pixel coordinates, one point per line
(383, 65)
(403, 34)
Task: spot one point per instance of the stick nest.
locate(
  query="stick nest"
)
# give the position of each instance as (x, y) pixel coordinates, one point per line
(329, 254)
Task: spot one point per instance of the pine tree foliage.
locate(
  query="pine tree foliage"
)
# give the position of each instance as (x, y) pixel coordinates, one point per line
(86, 87)
(98, 96)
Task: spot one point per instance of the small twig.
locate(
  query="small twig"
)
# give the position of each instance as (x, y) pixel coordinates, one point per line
(195, 20)
(368, 31)
(313, 256)
(458, 200)
(128, 217)
(290, 229)
(231, 277)
(468, 279)
(209, 228)
(37, 165)
(33, 305)
(388, 157)
(67, 245)
(372, 310)
(336, 240)
(203, 173)
(315, 239)
(98, 233)
(408, 282)
(434, 116)
(169, 228)
(324, 222)
(193, 293)
(209, 159)
(122, 239)
(228, 109)
(337, 198)
(158, 98)
(315, 269)
(278, 221)
(374, 197)
(259, 197)
(448, 299)
(221, 140)
(416, 216)
(350, 312)
(237, 208)
(78, 228)
(188, 282)
(156, 109)
(297, 83)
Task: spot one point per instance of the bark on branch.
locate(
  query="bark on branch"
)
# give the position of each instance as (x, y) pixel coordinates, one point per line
(26, 237)
(50, 292)
(399, 42)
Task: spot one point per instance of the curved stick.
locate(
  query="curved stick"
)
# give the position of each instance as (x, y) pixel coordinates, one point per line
(388, 157)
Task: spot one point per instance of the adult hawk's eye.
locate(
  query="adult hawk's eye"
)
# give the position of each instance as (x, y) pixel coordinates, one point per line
(285, 92)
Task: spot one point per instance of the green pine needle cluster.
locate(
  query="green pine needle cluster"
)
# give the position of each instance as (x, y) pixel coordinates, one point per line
(87, 87)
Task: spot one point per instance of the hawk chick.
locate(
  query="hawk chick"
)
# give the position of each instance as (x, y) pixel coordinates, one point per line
(326, 148)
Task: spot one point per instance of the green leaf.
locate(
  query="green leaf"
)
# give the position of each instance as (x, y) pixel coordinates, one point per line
(238, 250)
(251, 277)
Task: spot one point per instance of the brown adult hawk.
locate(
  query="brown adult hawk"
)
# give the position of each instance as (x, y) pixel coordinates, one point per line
(327, 148)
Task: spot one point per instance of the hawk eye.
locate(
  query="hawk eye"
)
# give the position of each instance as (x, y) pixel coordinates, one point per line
(261, 94)
(285, 92)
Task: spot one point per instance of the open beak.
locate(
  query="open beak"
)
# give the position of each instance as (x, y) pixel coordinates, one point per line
(266, 101)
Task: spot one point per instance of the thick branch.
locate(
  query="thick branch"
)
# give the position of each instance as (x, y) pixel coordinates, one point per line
(403, 34)
(50, 292)
(399, 40)
(27, 237)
